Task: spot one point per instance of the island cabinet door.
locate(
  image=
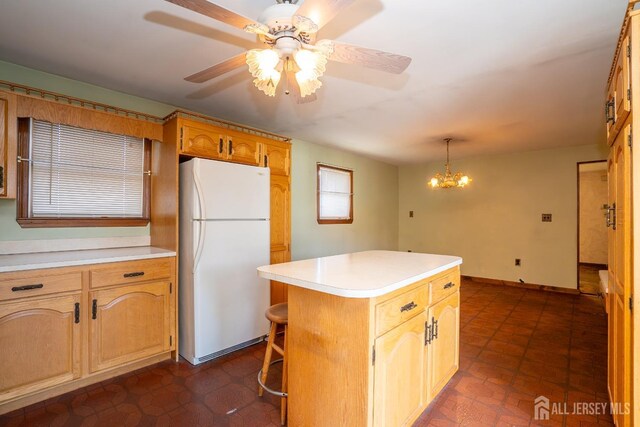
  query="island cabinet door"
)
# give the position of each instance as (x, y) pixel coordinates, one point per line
(129, 323)
(39, 344)
(443, 337)
(399, 374)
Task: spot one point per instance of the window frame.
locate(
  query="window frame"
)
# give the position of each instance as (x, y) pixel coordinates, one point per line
(22, 193)
(333, 221)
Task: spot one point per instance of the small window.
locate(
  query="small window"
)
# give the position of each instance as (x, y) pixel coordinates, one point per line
(70, 176)
(335, 195)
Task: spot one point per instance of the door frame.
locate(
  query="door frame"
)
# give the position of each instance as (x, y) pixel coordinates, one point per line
(578, 216)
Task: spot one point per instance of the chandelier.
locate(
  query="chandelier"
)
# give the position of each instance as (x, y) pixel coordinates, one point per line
(449, 180)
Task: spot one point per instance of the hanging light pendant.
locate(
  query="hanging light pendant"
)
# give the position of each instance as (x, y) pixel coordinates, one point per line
(449, 180)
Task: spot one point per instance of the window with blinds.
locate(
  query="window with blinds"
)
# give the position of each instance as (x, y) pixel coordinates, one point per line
(335, 195)
(73, 173)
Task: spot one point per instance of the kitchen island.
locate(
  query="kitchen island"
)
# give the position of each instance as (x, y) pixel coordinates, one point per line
(372, 338)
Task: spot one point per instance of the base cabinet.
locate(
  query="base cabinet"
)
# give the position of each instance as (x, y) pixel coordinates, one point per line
(129, 323)
(40, 344)
(65, 328)
(400, 391)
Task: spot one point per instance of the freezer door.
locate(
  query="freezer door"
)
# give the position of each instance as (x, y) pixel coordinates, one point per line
(229, 297)
(228, 190)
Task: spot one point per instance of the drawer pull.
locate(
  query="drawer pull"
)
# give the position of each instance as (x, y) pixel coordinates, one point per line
(94, 309)
(27, 287)
(408, 307)
(134, 274)
(448, 285)
(76, 312)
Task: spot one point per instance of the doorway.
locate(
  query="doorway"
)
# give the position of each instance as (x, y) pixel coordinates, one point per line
(592, 229)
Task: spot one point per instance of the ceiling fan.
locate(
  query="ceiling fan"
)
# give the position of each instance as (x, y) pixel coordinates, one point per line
(289, 31)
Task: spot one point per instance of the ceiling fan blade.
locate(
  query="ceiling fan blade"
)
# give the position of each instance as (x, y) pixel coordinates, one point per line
(372, 58)
(321, 11)
(219, 13)
(218, 69)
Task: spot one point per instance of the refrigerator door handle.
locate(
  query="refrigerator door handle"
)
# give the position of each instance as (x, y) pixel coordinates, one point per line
(201, 224)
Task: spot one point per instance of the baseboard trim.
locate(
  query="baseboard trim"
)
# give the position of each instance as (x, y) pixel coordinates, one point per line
(531, 286)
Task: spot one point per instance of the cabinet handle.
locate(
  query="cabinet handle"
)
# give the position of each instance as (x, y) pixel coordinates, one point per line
(448, 285)
(94, 309)
(230, 147)
(77, 312)
(266, 161)
(435, 328)
(134, 274)
(427, 333)
(408, 307)
(27, 287)
(610, 107)
(220, 147)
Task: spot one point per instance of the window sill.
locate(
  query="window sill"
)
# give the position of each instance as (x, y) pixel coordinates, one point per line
(335, 221)
(81, 222)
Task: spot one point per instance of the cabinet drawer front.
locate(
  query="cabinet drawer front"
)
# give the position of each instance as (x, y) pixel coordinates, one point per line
(403, 307)
(443, 286)
(130, 272)
(35, 284)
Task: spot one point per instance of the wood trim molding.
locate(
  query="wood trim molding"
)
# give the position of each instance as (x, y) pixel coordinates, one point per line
(226, 125)
(531, 286)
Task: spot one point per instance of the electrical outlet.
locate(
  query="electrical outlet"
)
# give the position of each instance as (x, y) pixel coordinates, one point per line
(517, 262)
(410, 214)
(546, 217)
(409, 250)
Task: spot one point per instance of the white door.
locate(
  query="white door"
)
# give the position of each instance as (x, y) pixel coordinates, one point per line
(228, 190)
(229, 297)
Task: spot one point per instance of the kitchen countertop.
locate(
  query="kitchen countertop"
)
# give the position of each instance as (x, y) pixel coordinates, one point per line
(360, 275)
(32, 261)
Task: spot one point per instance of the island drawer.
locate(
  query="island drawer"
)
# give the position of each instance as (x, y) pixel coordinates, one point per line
(395, 311)
(119, 273)
(36, 283)
(443, 286)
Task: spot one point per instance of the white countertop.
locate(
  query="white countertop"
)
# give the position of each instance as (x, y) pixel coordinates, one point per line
(32, 261)
(361, 274)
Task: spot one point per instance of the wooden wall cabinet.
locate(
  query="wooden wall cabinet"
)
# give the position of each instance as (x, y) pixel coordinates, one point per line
(623, 292)
(397, 353)
(64, 328)
(199, 138)
(8, 144)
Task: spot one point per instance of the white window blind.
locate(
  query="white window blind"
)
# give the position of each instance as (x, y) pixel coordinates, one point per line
(85, 173)
(334, 193)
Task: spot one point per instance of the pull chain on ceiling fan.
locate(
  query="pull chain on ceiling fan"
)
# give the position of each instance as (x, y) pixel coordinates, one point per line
(289, 31)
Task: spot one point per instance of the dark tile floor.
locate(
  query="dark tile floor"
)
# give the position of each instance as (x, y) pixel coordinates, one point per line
(515, 345)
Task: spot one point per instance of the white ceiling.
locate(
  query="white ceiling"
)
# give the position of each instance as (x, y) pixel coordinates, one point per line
(499, 75)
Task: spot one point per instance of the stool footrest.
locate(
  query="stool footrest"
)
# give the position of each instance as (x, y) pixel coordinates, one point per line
(264, 386)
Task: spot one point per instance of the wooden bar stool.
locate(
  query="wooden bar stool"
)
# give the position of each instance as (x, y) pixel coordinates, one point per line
(277, 314)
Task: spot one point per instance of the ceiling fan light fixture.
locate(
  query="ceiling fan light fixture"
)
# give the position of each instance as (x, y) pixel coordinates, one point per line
(262, 62)
(307, 82)
(312, 63)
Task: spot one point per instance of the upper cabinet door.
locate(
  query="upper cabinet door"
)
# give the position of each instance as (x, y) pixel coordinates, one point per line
(619, 94)
(277, 157)
(243, 148)
(202, 140)
(40, 344)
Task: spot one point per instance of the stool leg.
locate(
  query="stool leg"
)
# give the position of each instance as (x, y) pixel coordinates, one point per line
(283, 401)
(267, 357)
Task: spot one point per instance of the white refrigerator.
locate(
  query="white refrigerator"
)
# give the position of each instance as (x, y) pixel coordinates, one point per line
(224, 237)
